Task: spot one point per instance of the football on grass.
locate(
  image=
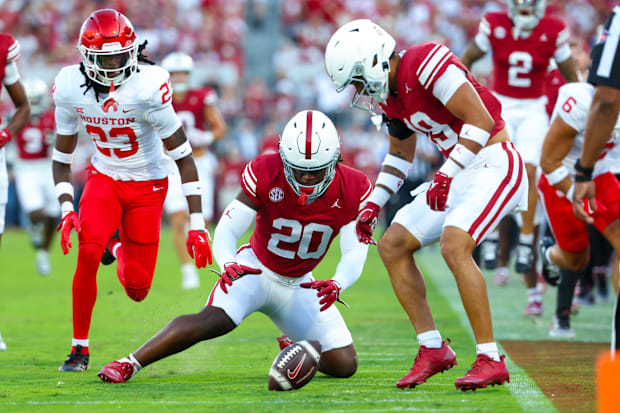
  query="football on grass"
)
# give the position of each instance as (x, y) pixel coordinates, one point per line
(295, 366)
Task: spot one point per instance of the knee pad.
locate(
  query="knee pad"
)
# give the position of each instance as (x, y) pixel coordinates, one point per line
(137, 294)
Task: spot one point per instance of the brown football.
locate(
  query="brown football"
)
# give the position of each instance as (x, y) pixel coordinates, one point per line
(295, 366)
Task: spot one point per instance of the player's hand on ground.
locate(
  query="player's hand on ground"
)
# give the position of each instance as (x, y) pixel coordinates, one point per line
(328, 289)
(437, 192)
(233, 271)
(69, 221)
(198, 247)
(5, 137)
(584, 203)
(366, 222)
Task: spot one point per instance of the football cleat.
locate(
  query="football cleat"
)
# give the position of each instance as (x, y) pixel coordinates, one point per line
(560, 328)
(284, 342)
(488, 253)
(118, 371)
(485, 371)
(534, 308)
(2, 344)
(108, 258)
(428, 362)
(502, 275)
(524, 258)
(76, 361)
(42, 259)
(550, 271)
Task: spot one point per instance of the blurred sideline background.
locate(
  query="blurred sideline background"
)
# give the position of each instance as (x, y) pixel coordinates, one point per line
(265, 60)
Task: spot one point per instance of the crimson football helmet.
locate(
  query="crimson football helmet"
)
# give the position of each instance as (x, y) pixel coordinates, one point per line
(309, 144)
(525, 14)
(109, 47)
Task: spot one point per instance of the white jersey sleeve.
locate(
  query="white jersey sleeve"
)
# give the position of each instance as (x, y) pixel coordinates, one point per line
(66, 116)
(482, 37)
(573, 104)
(448, 83)
(160, 113)
(11, 74)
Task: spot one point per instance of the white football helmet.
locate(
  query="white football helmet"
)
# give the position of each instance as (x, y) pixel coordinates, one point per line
(309, 143)
(37, 93)
(179, 62)
(360, 50)
(525, 14)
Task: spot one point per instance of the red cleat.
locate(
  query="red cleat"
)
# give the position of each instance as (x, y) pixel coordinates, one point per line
(483, 372)
(117, 372)
(284, 342)
(428, 362)
(534, 308)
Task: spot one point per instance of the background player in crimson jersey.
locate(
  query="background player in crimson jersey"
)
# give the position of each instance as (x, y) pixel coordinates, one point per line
(9, 76)
(561, 149)
(299, 200)
(426, 90)
(204, 124)
(522, 41)
(33, 175)
(126, 109)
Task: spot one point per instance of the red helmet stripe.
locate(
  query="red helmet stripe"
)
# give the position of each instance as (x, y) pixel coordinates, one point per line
(308, 134)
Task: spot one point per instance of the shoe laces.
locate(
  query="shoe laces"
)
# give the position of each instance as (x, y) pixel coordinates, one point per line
(126, 369)
(75, 356)
(478, 364)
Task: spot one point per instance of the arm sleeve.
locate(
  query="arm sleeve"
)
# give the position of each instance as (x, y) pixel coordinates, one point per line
(235, 221)
(482, 37)
(445, 86)
(353, 257)
(562, 51)
(66, 121)
(13, 52)
(210, 98)
(11, 74)
(397, 128)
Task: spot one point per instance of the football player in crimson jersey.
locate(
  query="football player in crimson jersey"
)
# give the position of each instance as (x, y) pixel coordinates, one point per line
(298, 200)
(126, 109)
(9, 76)
(561, 149)
(426, 90)
(523, 40)
(33, 175)
(204, 124)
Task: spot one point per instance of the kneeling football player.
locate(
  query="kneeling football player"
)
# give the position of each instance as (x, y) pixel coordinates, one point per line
(298, 202)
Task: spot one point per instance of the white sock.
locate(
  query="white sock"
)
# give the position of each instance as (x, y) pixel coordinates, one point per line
(115, 249)
(489, 349)
(548, 255)
(134, 362)
(493, 236)
(430, 339)
(189, 270)
(527, 239)
(76, 342)
(533, 295)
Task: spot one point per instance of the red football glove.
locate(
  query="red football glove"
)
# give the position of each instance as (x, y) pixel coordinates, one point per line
(198, 247)
(233, 271)
(437, 192)
(328, 289)
(5, 137)
(366, 222)
(69, 222)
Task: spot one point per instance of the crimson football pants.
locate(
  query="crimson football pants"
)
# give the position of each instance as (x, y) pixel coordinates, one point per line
(106, 205)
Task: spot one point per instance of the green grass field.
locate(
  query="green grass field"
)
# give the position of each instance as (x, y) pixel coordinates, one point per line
(230, 373)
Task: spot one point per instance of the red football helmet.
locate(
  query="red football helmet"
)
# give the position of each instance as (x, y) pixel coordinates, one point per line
(109, 47)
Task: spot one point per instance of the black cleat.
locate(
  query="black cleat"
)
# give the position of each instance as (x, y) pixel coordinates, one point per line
(550, 271)
(107, 258)
(76, 361)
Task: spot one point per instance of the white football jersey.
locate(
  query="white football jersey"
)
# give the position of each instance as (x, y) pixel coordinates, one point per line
(126, 127)
(573, 106)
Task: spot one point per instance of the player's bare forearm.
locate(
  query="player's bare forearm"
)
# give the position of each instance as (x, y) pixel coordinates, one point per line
(403, 149)
(557, 144)
(189, 173)
(22, 113)
(62, 173)
(601, 120)
(472, 53)
(216, 121)
(569, 70)
(467, 105)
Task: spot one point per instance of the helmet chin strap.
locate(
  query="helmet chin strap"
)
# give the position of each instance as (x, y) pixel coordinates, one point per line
(303, 195)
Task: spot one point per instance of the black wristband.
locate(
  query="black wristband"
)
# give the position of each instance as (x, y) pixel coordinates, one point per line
(583, 174)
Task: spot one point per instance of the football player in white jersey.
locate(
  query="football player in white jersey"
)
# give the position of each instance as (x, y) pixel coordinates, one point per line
(9, 75)
(126, 109)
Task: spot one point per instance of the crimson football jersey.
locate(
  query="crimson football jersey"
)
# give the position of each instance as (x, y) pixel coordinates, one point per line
(520, 66)
(291, 239)
(32, 140)
(9, 52)
(416, 105)
(191, 110)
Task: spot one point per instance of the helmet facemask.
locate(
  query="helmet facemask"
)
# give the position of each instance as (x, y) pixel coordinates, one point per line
(525, 14)
(112, 64)
(308, 193)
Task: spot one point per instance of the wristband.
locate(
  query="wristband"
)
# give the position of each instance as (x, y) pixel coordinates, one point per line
(62, 157)
(450, 168)
(379, 196)
(196, 221)
(570, 193)
(191, 188)
(390, 181)
(461, 154)
(557, 175)
(397, 163)
(180, 151)
(474, 133)
(64, 188)
(585, 174)
(66, 207)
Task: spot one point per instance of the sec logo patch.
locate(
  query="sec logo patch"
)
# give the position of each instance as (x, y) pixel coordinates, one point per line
(276, 194)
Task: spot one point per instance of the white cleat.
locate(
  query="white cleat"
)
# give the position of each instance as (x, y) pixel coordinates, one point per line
(2, 344)
(559, 331)
(43, 263)
(190, 277)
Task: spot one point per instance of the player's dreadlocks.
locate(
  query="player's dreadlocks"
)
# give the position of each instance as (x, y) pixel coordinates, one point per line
(88, 82)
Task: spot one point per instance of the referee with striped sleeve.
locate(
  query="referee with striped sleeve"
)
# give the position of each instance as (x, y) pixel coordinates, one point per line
(604, 74)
